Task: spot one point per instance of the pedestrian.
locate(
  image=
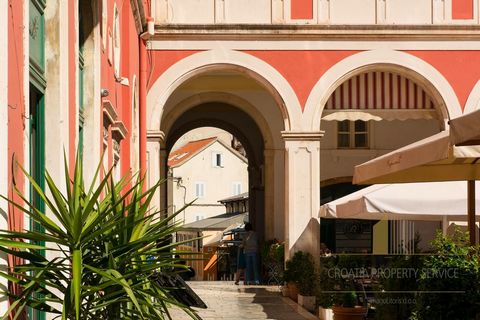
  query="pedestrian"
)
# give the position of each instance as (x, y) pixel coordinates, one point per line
(250, 248)
(240, 265)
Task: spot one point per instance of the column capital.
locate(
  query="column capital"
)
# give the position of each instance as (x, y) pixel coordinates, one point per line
(302, 135)
(155, 136)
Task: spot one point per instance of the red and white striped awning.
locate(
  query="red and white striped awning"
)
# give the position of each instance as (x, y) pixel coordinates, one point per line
(379, 95)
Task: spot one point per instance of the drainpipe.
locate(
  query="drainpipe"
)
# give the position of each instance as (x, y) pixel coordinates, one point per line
(143, 106)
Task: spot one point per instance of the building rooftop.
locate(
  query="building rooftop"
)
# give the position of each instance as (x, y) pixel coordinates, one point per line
(241, 196)
(220, 222)
(188, 150)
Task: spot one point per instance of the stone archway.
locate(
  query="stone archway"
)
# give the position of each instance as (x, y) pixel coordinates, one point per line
(370, 110)
(401, 62)
(256, 121)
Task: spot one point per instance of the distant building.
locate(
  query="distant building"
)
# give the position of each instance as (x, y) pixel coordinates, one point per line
(206, 170)
(214, 237)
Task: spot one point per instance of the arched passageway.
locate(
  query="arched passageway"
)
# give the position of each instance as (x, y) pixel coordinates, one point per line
(375, 110)
(238, 102)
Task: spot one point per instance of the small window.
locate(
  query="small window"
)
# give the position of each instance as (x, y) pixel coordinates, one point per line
(199, 217)
(237, 188)
(217, 159)
(116, 42)
(352, 134)
(200, 189)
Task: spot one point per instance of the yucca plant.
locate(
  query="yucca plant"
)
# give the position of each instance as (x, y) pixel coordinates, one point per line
(96, 252)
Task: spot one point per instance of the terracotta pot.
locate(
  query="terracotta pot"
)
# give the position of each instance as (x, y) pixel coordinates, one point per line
(307, 302)
(285, 291)
(343, 313)
(292, 291)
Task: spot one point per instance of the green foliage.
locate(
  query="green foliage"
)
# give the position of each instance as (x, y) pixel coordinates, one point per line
(273, 251)
(349, 299)
(273, 259)
(101, 248)
(399, 289)
(335, 287)
(453, 266)
(300, 269)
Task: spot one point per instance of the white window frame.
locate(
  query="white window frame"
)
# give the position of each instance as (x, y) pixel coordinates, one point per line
(116, 41)
(215, 163)
(104, 24)
(351, 135)
(237, 188)
(200, 189)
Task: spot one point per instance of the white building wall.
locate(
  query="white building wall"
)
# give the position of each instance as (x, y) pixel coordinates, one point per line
(336, 12)
(218, 182)
(3, 137)
(385, 136)
(203, 133)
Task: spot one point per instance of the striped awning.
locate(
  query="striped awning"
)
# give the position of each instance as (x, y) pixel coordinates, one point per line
(379, 95)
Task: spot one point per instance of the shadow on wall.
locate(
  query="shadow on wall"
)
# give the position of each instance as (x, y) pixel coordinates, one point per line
(309, 240)
(3, 258)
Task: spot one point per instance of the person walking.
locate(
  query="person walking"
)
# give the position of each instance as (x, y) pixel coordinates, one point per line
(241, 264)
(250, 248)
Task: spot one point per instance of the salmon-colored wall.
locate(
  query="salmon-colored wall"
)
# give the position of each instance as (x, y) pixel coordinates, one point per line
(302, 69)
(16, 110)
(302, 9)
(162, 60)
(460, 68)
(120, 95)
(462, 9)
(130, 68)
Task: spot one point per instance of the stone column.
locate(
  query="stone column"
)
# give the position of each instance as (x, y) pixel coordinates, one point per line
(274, 194)
(156, 160)
(302, 173)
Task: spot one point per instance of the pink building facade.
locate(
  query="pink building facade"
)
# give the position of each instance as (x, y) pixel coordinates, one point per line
(310, 87)
(70, 73)
(283, 76)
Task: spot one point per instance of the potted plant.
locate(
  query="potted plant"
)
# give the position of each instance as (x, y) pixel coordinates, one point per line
(348, 307)
(273, 260)
(301, 278)
(337, 292)
(97, 257)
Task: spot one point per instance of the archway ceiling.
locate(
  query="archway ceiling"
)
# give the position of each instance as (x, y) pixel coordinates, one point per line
(223, 116)
(221, 81)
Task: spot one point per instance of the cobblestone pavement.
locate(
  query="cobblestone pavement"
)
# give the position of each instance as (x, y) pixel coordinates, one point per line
(228, 301)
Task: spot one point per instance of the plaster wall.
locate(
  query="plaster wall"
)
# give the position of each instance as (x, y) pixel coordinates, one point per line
(202, 133)
(384, 137)
(218, 182)
(366, 12)
(57, 101)
(4, 10)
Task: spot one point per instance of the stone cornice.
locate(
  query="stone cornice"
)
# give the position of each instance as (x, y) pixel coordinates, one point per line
(302, 135)
(155, 135)
(138, 11)
(109, 112)
(119, 131)
(320, 32)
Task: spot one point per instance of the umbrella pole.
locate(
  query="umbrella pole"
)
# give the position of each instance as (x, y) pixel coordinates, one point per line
(471, 211)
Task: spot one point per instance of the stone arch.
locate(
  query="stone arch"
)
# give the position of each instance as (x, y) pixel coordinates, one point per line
(414, 67)
(180, 108)
(473, 101)
(212, 60)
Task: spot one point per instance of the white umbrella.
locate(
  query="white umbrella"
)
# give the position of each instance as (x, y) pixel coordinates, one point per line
(429, 201)
(452, 155)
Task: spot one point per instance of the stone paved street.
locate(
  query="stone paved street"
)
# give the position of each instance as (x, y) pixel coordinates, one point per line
(228, 301)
